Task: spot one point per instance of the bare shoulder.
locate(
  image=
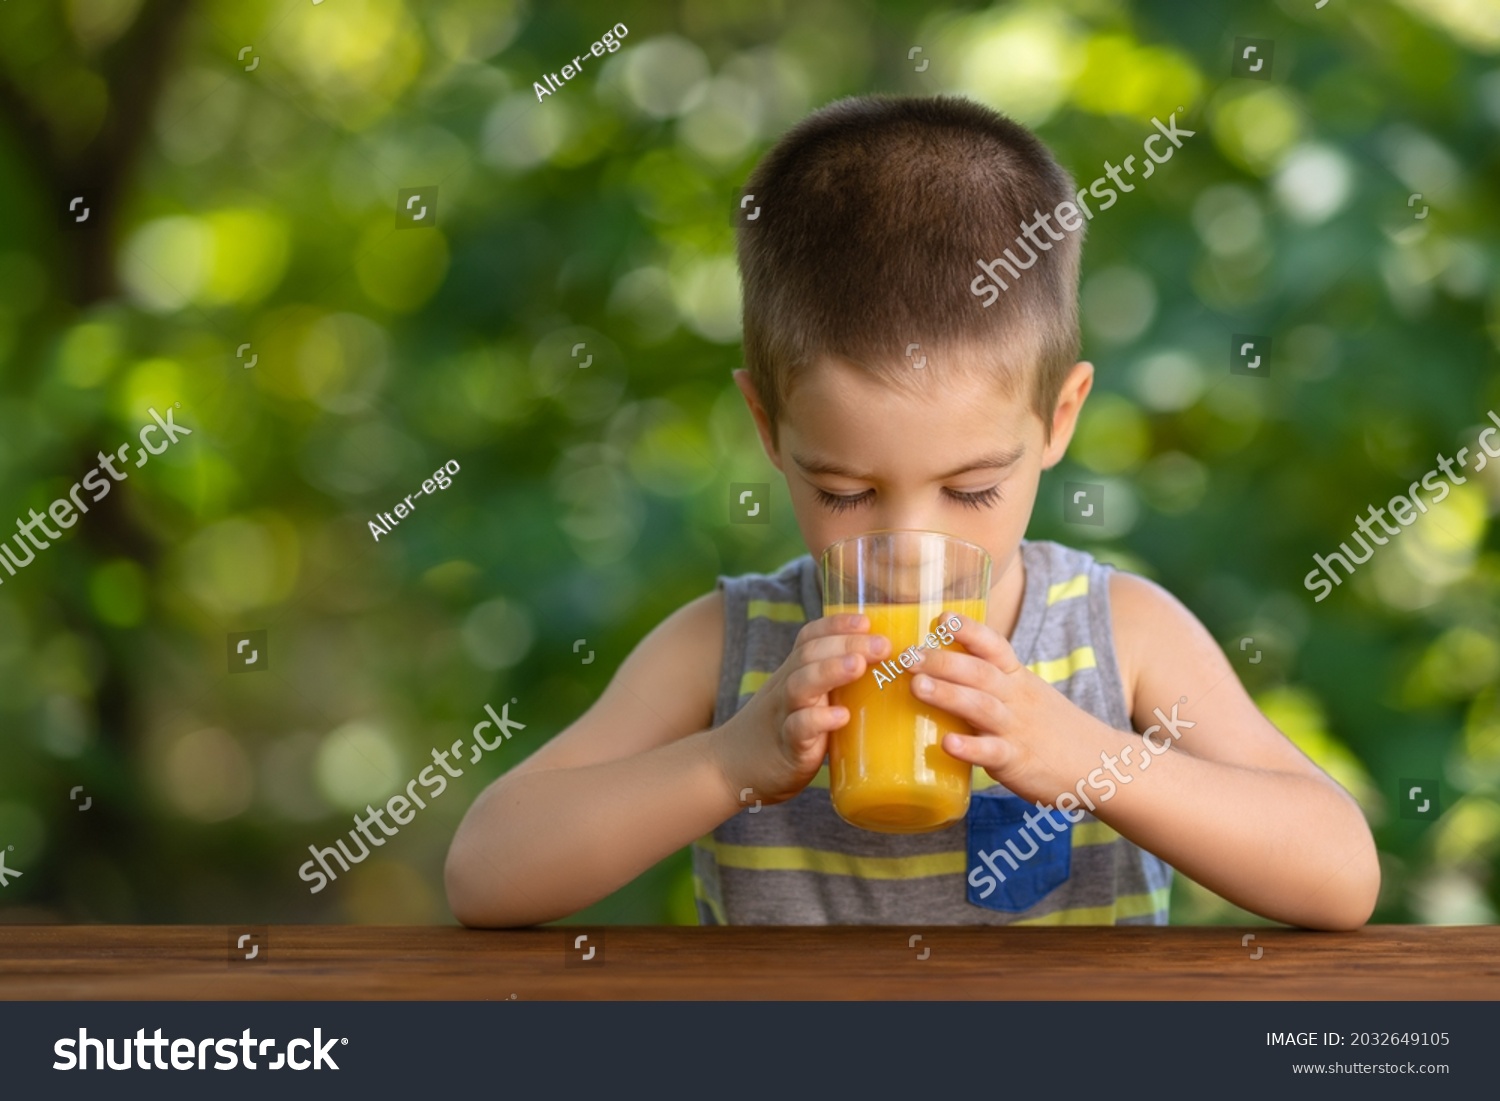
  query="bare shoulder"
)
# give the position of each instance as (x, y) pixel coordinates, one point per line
(664, 690)
(1137, 603)
(683, 651)
(1154, 630)
(1166, 654)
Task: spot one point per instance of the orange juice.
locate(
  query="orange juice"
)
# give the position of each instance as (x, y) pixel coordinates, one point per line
(888, 770)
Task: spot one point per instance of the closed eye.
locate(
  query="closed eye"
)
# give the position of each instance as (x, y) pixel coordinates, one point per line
(982, 499)
(837, 502)
(842, 503)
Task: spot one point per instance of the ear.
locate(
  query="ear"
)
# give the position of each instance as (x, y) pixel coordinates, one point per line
(758, 411)
(1070, 398)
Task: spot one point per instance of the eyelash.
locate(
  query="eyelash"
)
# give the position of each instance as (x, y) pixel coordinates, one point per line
(842, 503)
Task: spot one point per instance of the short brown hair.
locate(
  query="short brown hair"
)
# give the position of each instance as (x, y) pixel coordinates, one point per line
(873, 213)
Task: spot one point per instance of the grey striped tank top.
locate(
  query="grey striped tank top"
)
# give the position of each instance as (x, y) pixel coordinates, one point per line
(799, 863)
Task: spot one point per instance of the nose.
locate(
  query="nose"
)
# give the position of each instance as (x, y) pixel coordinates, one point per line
(897, 567)
(896, 515)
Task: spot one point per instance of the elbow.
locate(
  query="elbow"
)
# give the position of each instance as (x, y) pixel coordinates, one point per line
(1353, 904)
(1356, 911)
(466, 913)
(473, 898)
(469, 879)
(1344, 920)
(465, 893)
(470, 908)
(461, 899)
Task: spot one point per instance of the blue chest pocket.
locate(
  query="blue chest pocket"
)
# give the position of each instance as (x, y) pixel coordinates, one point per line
(1012, 865)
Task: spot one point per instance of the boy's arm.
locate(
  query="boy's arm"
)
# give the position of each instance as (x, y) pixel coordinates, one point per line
(632, 781)
(1235, 805)
(1227, 800)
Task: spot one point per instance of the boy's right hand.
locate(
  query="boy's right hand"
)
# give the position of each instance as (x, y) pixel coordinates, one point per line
(775, 744)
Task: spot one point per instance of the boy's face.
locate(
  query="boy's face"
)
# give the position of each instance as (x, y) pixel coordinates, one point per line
(956, 454)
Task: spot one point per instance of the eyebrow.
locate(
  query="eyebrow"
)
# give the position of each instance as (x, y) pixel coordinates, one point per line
(994, 461)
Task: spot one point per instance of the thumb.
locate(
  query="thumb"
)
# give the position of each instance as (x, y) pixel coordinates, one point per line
(808, 726)
(988, 751)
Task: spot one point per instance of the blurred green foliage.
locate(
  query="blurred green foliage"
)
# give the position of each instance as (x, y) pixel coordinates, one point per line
(250, 197)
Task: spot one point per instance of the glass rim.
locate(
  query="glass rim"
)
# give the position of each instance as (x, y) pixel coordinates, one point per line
(906, 531)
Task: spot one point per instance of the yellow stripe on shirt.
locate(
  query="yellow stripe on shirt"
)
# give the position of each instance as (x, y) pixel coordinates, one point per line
(1125, 906)
(795, 858)
(1060, 669)
(798, 858)
(700, 892)
(750, 683)
(1066, 590)
(780, 611)
(1092, 833)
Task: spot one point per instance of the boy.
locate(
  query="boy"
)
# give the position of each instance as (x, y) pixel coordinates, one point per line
(873, 211)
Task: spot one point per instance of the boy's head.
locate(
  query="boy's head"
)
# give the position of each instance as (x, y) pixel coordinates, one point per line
(873, 214)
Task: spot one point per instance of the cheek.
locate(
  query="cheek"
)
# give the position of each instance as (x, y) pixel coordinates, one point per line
(821, 527)
(1020, 500)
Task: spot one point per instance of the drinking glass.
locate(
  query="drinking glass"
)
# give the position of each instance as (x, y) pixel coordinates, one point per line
(888, 770)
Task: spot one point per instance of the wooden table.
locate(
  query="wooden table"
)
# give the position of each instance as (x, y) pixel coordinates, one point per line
(336, 962)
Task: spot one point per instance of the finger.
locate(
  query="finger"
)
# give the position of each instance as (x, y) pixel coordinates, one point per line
(807, 725)
(985, 750)
(983, 641)
(842, 624)
(830, 646)
(810, 683)
(979, 709)
(958, 667)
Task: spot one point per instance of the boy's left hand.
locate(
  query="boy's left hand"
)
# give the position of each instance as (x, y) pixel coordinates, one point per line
(1016, 715)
